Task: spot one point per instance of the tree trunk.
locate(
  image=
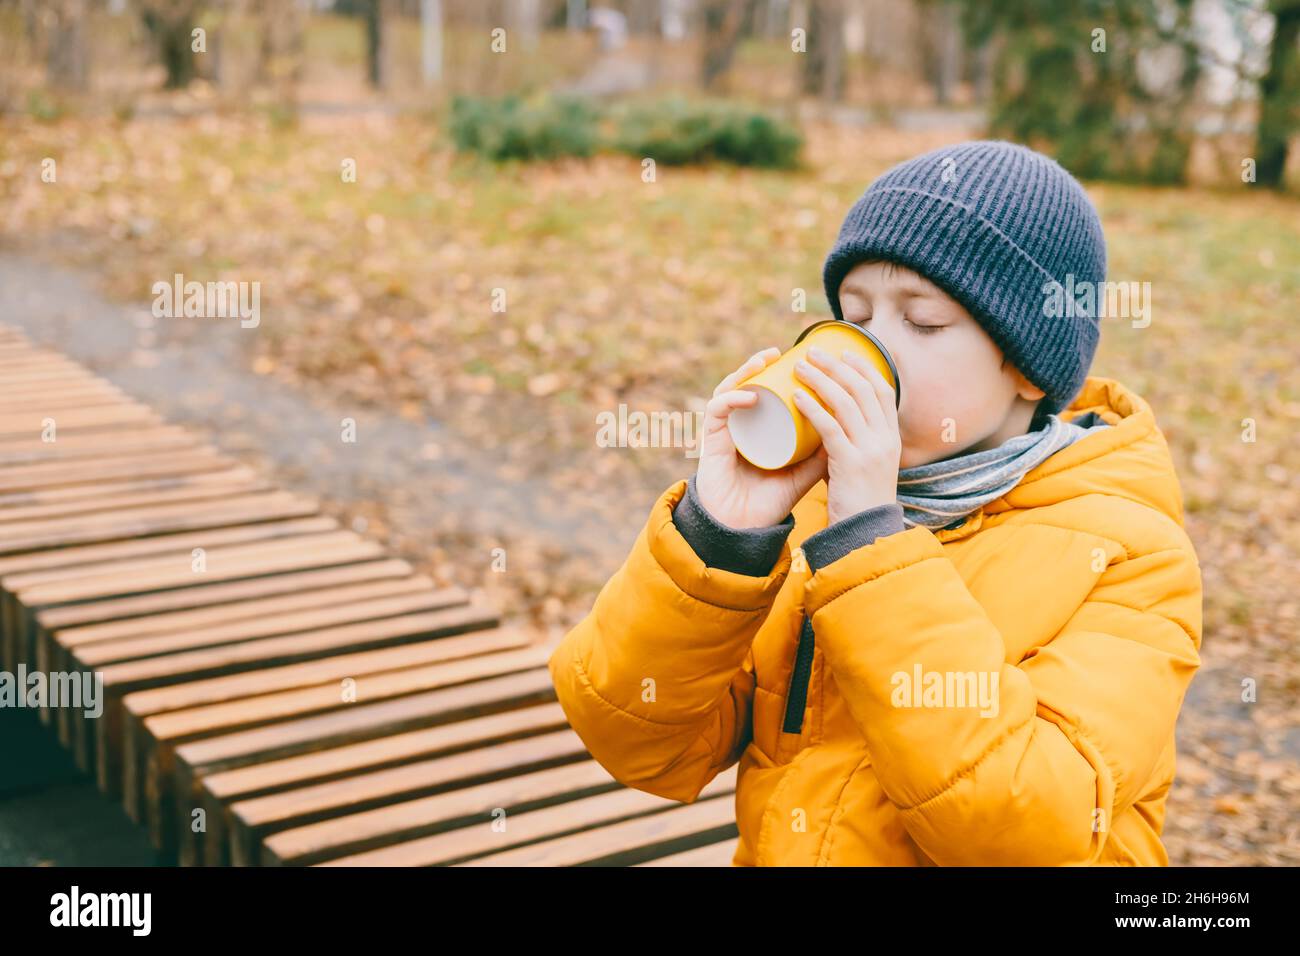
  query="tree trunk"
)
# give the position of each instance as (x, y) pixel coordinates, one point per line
(945, 48)
(725, 21)
(824, 73)
(1279, 102)
(283, 25)
(171, 26)
(65, 63)
(431, 42)
(379, 14)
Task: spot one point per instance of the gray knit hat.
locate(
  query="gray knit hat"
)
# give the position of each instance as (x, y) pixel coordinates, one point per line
(993, 224)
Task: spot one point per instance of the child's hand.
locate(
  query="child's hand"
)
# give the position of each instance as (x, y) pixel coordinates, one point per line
(861, 439)
(735, 492)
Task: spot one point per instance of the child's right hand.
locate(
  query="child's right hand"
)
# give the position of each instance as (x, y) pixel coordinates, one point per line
(736, 493)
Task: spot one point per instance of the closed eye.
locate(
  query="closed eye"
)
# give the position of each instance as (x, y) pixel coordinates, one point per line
(925, 329)
(920, 329)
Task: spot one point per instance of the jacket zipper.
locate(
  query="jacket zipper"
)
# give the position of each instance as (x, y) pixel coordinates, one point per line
(798, 695)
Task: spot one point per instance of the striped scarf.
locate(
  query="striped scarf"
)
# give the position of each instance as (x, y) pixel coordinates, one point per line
(942, 494)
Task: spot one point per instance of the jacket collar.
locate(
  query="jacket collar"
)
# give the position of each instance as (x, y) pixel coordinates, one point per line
(1130, 459)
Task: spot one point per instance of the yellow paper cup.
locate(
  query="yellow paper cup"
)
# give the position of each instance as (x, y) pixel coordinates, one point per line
(772, 433)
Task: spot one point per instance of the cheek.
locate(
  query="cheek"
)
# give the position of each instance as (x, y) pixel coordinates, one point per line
(941, 407)
(948, 388)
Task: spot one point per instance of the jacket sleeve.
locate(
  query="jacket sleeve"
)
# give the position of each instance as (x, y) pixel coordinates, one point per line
(1075, 730)
(658, 679)
(752, 551)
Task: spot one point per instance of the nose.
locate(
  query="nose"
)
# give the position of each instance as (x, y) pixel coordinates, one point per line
(886, 330)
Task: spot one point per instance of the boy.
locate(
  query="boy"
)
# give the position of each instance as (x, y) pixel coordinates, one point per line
(960, 633)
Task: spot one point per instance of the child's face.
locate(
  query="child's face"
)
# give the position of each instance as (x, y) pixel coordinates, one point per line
(957, 394)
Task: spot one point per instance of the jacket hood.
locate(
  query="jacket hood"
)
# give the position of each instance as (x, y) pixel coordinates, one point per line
(1130, 460)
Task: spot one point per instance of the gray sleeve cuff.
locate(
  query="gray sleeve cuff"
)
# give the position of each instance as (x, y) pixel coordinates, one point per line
(751, 551)
(835, 541)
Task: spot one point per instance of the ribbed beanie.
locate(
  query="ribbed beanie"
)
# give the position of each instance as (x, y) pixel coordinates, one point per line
(995, 225)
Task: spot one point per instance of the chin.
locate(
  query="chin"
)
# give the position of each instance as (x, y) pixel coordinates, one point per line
(910, 458)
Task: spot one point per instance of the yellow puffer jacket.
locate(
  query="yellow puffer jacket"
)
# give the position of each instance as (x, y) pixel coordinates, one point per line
(1079, 592)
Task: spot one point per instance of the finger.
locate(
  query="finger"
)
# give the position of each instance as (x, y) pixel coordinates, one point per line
(833, 437)
(842, 404)
(885, 394)
(756, 362)
(858, 385)
(721, 406)
(715, 437)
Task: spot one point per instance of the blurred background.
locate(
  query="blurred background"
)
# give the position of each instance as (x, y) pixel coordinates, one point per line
(480, 226)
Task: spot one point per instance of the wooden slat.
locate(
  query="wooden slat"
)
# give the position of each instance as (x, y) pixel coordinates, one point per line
(48, 376)
(622, 823)
(715, 854)
(156, 519)
(162, 733)
(49, 494)
(147, 465)
(630, 841)
(80, 396)
(98, 654)
(138, 605)
(245, 655)
(218, 790)
(88, 445)
(333, 604)
(248, 821)
(36, 590)
(370, 686)
(88, 499)
(16, 369)
(287, 773)
(174, 569)
(60, 586)
(238, 657)
(28, 424)
(268, 652)
(233, 611)
(229, 595)
(214, 597)
(366, 830)
(366, 722)
(181, 770)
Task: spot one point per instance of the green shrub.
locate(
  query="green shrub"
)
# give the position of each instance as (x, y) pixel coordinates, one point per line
(672, 131)
(513, 128)
(677, 131)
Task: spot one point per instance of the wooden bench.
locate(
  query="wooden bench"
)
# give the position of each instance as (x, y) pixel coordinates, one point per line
(276, 689)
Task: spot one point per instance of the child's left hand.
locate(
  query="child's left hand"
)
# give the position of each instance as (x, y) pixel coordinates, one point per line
(861, 440)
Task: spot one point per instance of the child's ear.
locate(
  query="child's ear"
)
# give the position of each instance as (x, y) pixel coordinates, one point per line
(1025, 388)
